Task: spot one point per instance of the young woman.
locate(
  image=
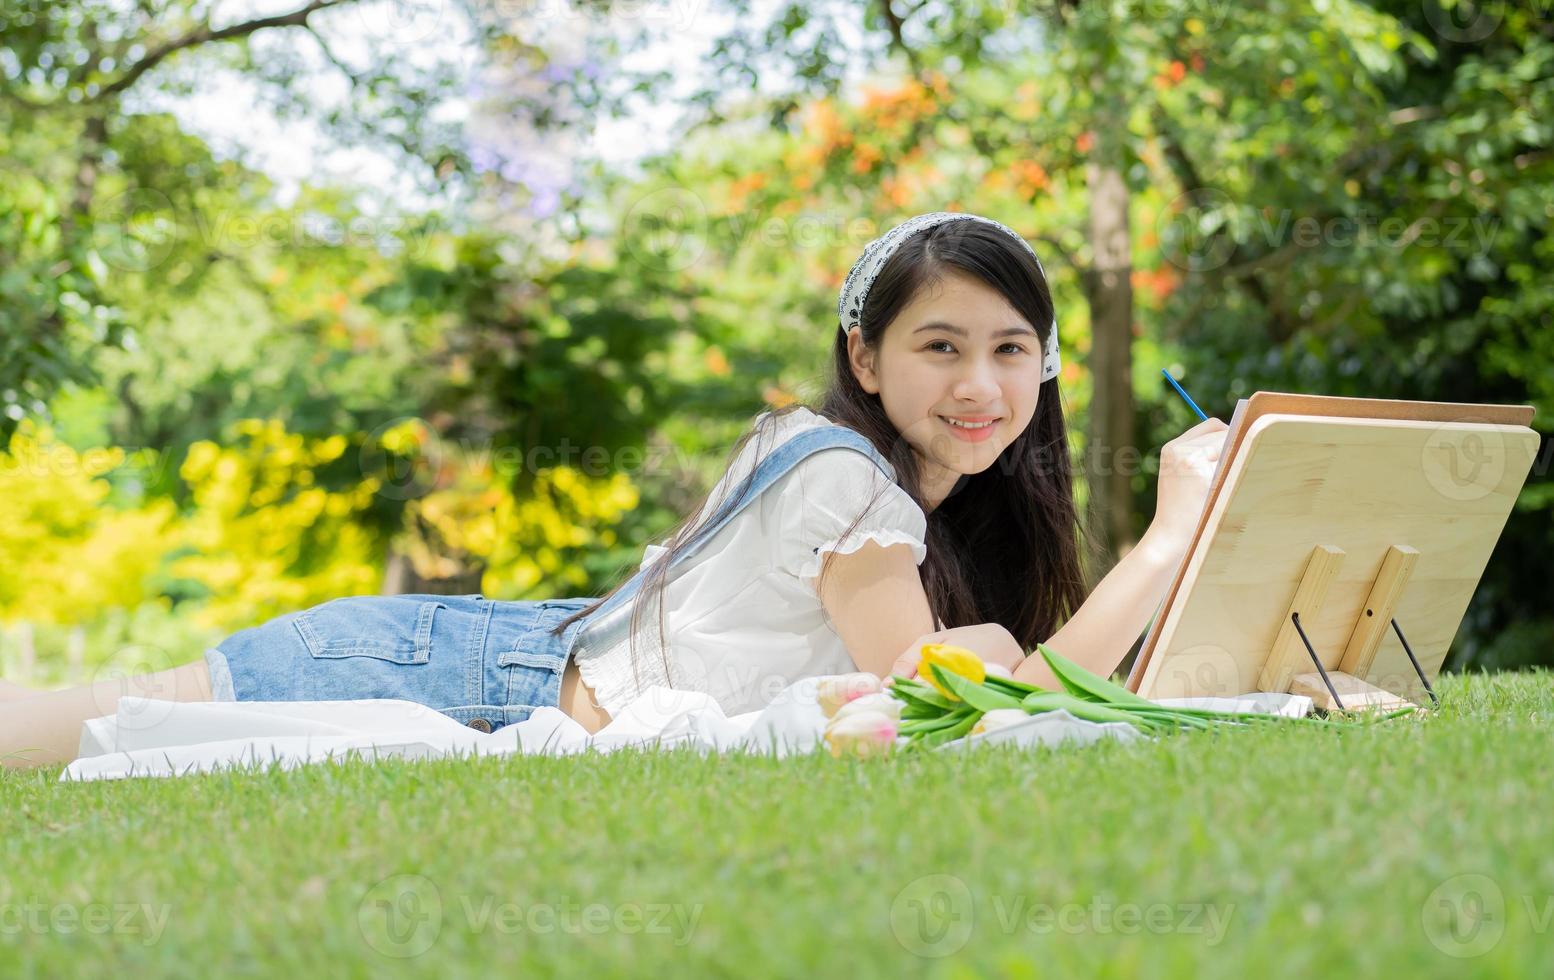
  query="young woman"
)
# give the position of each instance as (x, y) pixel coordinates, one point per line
(929, 497)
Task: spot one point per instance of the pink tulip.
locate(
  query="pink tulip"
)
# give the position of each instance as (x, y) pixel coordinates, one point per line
(834, 691)
(880, 701)
(864, 734)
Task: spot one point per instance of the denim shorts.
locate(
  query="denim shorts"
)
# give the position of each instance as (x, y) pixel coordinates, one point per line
(471, 658)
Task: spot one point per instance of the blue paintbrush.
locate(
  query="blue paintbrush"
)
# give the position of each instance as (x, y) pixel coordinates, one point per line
(1184, 394)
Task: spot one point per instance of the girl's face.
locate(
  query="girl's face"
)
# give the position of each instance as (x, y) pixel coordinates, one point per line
(957, 350)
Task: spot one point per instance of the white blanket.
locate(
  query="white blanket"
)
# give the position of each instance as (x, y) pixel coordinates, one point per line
(150, 737)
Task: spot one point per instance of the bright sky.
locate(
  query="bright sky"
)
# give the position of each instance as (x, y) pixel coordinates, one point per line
(227, 113)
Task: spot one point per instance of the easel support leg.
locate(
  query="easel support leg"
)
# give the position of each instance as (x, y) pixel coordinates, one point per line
(1295, 617)
(1361, 694)
(1415, 661)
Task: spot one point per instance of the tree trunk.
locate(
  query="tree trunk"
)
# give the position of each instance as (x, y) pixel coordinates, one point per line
(1111, 458)
(401, 578)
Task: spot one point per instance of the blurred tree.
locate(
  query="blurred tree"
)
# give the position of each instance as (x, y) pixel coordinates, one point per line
(94, 191)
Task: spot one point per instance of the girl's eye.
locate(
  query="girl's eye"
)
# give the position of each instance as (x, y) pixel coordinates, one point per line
(1017, 348)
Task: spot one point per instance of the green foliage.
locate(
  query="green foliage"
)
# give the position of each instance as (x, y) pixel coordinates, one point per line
(49, 288)
(102, 201)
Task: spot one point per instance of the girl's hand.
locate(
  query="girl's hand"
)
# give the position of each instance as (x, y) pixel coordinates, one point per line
(1187, 466)
(990, 641)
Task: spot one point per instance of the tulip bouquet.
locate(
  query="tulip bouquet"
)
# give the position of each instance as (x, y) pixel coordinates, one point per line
(956, 694)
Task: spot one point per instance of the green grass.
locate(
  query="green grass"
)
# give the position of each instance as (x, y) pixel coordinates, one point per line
(1255, 853)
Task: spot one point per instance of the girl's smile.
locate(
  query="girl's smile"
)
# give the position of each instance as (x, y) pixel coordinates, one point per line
(969, 431)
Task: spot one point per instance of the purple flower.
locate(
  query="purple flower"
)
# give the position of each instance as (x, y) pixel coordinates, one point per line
(544, 203)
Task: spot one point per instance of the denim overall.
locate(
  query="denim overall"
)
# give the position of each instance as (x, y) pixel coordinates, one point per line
(484, 662)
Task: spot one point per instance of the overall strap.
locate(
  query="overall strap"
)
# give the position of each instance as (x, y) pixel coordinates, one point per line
(610, 623)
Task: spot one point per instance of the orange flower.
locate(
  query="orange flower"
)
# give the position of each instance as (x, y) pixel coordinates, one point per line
(823, 116)
(1163, 282)
(1031, 176)
(1157, 283)
(776, 397)
(1172, 76)
(751, 182)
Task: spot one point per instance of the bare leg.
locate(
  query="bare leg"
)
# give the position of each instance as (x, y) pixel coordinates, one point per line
(45, 729)
(15, 692)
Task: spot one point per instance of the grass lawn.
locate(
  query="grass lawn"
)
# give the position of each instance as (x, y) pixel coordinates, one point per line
(1423, 847)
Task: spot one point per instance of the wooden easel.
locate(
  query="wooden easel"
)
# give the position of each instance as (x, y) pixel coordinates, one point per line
(1334, 546)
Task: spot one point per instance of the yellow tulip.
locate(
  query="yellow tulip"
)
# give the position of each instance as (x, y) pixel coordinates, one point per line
(956, 660)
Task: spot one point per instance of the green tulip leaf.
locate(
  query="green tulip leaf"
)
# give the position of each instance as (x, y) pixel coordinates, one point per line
(978, 696)
(1084, 684)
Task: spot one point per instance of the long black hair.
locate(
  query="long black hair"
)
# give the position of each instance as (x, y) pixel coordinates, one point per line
(1004, 546)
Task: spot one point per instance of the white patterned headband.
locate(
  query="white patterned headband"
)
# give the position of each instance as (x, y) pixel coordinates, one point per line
(849, 307)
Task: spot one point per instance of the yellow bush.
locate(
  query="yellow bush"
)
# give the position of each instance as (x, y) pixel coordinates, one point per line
(265, 540)
(262, 538)
(524, 545)
(65, 554)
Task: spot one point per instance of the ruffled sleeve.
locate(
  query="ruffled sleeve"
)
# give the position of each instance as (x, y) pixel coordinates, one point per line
(824, 495)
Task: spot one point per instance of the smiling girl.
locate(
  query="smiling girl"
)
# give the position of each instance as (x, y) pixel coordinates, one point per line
(928, 498)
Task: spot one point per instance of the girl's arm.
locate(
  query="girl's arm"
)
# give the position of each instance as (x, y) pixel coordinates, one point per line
(875, 600)
(991, 641)
(1101, 631)
(874, 597)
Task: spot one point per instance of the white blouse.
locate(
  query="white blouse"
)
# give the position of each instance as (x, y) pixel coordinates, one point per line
(742, 617)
